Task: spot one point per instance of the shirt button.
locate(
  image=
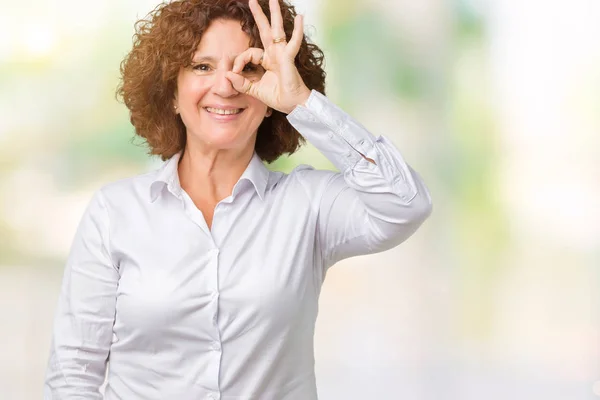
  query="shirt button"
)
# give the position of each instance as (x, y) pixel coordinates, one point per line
(216, 346)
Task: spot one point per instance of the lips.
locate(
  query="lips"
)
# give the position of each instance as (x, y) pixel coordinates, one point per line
(224, 111)
(223, 114)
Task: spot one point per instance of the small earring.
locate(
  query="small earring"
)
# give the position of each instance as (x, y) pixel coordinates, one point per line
(175, 107)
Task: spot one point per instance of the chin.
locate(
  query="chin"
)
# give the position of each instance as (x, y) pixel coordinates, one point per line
(222, 134)
(223, 139)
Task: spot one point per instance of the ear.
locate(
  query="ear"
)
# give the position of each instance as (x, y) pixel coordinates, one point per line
(175, 106)
(269, 112)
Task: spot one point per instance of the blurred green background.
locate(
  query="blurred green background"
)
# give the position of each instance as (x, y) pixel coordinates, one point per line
(495, 104)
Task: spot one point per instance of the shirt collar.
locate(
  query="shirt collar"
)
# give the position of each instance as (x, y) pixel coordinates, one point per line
(167, 176)
(256, 173)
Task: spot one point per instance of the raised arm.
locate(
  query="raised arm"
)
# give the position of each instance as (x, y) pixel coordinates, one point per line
(376, 201)
(373, 205)
(86, 309)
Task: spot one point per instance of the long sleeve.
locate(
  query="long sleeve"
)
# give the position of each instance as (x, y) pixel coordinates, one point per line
(366, 207)
(86, 309)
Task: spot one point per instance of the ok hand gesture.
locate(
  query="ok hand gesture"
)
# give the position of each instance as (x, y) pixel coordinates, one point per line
(281, 87)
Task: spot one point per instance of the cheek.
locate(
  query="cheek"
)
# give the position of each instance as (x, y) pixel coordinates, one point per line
(191, 90)
(260, 108)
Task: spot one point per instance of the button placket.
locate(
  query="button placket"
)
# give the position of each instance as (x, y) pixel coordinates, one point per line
(215, 292)
(215, 346)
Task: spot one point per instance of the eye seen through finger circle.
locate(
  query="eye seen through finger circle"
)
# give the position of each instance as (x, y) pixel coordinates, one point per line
(252, 68)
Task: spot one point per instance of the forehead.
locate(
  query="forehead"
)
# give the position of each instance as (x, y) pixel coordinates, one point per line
(223, 38)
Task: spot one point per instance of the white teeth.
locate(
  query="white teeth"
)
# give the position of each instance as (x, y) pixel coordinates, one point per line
(223, 112)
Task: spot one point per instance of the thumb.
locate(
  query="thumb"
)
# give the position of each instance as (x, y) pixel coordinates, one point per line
(240, 83)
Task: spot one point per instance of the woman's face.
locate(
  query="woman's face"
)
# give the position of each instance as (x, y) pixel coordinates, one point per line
(213, 112)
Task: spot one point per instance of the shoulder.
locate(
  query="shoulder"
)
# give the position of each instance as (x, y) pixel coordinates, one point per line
(307, 174)
(114, 200)
(313, 181)
(125, 191)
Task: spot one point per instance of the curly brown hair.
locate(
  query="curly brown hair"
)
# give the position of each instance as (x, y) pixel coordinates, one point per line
(165, 41)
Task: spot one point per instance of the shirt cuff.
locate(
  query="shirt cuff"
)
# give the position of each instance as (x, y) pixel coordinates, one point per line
(332, 131)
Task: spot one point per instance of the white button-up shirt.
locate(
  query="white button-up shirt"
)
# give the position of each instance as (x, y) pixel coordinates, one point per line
(183, 312)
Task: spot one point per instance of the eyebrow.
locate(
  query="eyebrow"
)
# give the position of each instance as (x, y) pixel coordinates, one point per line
(209, 59)
(204, 59)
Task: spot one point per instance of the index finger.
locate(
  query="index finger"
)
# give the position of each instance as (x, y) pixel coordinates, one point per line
(262, 22)
(252, 55)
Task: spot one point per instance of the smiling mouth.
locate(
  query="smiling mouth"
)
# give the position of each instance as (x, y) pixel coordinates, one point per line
(219, 111)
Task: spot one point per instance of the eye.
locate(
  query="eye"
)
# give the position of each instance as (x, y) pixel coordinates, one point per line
(250, 68)
(201, 67)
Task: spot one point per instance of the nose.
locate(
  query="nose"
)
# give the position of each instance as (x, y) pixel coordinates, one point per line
(222, 86)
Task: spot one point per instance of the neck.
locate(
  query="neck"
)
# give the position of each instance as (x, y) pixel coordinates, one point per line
(211, 174)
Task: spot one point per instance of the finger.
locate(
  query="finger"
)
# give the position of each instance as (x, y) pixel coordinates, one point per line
(240, 83)
(262, 22)
(276, 19)
(295, 42)
(252, 55)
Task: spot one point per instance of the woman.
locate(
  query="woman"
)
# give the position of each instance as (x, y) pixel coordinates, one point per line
(200, 280)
